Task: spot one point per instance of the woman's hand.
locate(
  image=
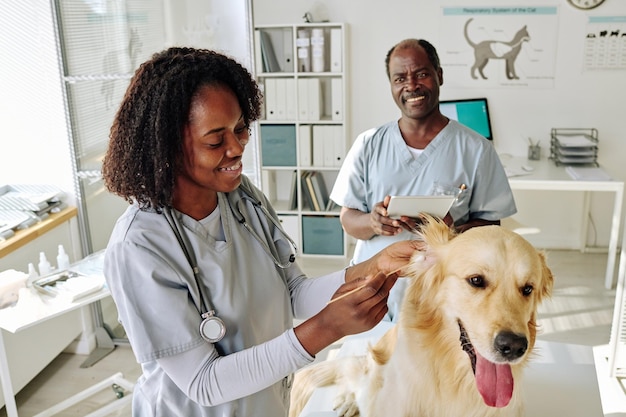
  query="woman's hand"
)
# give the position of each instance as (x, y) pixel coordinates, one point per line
(394, 258)
(356, 306)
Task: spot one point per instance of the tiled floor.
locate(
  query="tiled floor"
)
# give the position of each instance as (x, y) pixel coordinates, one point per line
(579, 312)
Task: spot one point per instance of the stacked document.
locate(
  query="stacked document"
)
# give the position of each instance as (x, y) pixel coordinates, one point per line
(574, 149)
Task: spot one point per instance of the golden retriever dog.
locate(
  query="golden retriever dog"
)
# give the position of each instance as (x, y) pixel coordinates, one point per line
(466, 329)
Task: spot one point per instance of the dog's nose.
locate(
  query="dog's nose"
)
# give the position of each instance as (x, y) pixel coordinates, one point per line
(510, 345)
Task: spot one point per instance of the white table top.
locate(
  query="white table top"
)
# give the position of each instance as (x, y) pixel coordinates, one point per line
(546, 175)
(22, 316)
(560, 380)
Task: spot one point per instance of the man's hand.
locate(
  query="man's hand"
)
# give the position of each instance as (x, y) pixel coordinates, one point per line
(381, 223)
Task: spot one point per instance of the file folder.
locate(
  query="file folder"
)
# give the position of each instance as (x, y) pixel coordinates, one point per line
(336, 99)
(335, 50)
(306, 156)
(281, 98)
(303, 99)
(290, 99)
(314, 98)
(319, 134)
(270, 62)
(317, 50)
(288, 64)
(339, 146)
(303, 42)
(271, 99)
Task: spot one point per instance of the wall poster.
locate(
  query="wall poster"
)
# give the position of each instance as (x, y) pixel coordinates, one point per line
(495, 47)
(605, 43)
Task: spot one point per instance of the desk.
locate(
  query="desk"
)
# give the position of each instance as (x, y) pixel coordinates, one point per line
(560, 380)
(546, 176)
(12, 325)
(22, 237)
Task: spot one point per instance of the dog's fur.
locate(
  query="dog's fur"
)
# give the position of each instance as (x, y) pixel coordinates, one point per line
(488, 281)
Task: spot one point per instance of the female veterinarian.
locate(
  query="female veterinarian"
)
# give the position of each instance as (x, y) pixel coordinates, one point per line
(203, 276)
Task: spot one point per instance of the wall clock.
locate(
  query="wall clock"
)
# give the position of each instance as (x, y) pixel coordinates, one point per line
(585, 4)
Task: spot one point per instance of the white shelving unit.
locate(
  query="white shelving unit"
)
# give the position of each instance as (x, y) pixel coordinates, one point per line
(301, 69)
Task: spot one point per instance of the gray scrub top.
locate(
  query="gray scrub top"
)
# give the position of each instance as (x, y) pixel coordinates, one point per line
(152, 285)
(379, 164)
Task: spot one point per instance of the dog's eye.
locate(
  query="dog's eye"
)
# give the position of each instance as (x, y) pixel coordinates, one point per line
(527, 290)
(477, 281)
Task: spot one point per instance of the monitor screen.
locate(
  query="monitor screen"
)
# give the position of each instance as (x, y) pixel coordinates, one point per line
(471, 112)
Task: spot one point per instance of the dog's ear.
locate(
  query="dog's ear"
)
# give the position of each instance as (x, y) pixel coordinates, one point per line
(425, 268)
(434, 234)
(547, 279)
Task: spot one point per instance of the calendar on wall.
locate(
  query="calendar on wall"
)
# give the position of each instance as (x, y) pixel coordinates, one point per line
(605, 43)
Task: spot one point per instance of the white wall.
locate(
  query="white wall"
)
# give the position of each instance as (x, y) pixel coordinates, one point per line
(578, 99)
(34, 146)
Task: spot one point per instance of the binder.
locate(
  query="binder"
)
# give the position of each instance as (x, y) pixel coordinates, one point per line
(328, 142)
(306, 194)
(335, 50)
(339, 146)
(306, 155)
(271, 111)
(268, 183)
(303, 42)
(319, 187)
(293, 195)
(290, 99)
(318, 145)
(288, 64)
(280, 98)
(314, 98)
(336, 99)
(303, 99)
(317, 50)
(258, 55)
(270, 62)
(316, 204)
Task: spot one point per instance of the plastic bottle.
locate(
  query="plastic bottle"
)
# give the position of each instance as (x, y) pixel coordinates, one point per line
(32, 274)
(63, 260)
(44, 266)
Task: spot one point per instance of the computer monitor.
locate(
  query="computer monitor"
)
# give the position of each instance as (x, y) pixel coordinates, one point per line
(471, 112)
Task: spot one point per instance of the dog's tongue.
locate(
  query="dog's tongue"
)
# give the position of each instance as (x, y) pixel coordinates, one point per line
(494, 382)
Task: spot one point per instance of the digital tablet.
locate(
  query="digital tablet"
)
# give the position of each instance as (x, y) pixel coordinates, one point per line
(412, 206)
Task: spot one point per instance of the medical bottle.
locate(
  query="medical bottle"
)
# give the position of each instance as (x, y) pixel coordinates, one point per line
(63, 260)
(44, 266)
(32, 274)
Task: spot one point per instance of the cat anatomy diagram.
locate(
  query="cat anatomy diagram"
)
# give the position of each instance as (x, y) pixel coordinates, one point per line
(499, 47)
(495, 49)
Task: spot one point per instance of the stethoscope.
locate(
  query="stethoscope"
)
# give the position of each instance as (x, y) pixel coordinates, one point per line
(212, 328)
(235, 201)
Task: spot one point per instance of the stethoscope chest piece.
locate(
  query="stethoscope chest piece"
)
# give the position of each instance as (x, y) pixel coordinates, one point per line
(212, 328)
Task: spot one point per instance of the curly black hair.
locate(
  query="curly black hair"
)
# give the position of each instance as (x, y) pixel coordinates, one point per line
(431, 52)
(145, 147)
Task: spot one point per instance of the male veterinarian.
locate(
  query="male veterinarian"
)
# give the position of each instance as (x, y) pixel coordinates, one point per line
(422, 153)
